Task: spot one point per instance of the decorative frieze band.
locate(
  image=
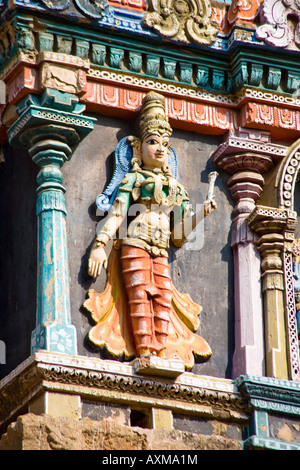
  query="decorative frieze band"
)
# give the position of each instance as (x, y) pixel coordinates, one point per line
(187, 104)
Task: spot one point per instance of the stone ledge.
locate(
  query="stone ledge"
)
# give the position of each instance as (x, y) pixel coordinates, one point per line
(117, 383)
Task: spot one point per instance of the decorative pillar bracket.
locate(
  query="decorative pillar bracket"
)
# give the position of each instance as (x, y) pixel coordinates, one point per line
(246, 155)
(49, 126)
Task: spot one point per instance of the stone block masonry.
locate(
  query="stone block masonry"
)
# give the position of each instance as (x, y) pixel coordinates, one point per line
(43, 432)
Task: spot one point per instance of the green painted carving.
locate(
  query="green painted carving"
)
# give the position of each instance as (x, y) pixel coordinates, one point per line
(291, 81)
(185, 72)
(152, 65)
(218, 80)
(240, 78)
(274, 78)
(49, 126)
(169, 68)
(186, 21)
(82, 48)
(202, 76)
(98, 54)
(135, 61)
(256, 74)
(46, 41)
(25, 40)
(116, 56)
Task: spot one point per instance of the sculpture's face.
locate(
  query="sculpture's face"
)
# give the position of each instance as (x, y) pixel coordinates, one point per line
(154, 150)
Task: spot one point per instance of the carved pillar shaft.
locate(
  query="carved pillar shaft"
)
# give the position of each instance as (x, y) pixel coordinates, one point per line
(245, 187)
(246, 155)
(54, 331)
(49, 126)
(271, 246)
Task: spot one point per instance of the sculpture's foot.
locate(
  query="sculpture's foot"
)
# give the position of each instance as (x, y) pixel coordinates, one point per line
(143, 352)
(154, 365)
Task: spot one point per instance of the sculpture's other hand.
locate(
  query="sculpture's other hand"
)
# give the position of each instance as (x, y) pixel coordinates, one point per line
(97, 259)
(209, 206)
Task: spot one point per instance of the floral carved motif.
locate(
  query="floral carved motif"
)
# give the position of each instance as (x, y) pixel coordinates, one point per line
(276, 28)
(188, 21)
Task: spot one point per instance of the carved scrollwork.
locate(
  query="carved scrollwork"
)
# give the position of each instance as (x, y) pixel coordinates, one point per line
(276, 28)
(183, 20)
(56, 4)
(93, 8)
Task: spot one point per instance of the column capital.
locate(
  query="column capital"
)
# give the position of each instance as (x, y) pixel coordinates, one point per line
(52, 114)
(248, 149)
(267, 220)
(246, 154)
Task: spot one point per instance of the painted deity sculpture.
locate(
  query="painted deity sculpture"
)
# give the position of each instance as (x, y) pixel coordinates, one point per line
(141, 313)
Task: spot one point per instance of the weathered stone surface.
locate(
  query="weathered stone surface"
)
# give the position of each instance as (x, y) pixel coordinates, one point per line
(43, 432)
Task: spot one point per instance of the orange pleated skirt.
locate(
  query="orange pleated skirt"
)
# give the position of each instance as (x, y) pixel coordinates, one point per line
(149, 290)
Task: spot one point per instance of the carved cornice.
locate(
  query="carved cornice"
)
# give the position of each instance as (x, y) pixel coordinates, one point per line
(270, 394)
(117, 383)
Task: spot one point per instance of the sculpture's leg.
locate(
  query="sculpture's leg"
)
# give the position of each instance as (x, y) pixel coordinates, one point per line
(162, 303)
(136, 275)
(149, 305)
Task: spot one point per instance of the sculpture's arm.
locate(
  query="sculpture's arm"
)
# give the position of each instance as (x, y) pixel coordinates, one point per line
(110, 226)
(98, 256)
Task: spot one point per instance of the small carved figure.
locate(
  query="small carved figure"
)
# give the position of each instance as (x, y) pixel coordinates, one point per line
(141, 312)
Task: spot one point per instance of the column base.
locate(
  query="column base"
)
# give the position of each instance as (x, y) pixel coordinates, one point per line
(55, 337)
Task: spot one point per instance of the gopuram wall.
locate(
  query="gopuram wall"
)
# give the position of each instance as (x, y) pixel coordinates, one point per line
(184, 343)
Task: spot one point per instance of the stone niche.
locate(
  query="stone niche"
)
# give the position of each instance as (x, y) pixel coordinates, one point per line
(203, 269)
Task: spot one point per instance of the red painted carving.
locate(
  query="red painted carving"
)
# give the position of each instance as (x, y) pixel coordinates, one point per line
(243, 10)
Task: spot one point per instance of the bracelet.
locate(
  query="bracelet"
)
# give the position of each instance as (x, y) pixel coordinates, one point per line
(103, 238)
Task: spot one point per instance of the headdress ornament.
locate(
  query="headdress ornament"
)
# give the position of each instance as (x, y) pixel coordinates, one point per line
(153, 116)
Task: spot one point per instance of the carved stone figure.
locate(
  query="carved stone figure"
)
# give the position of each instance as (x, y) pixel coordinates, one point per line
(182, 20)
(140, 312)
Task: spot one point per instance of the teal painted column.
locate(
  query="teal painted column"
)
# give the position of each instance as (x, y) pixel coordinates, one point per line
(49, 127)
(54, 331)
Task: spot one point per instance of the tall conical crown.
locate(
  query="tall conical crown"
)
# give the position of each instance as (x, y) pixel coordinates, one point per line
(153, 117)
